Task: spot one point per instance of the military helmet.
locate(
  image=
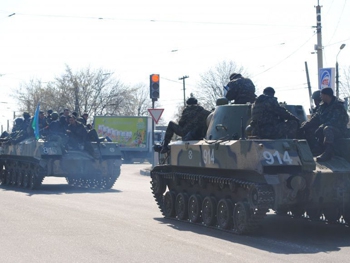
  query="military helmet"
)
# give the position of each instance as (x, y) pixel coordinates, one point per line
(26, 115)
(316, 95)
(235, 76)
(191, 101)
(269, 91)
(18, 121)
(54, 115)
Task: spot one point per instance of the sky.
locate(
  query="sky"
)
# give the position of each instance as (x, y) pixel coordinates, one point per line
(132, 39)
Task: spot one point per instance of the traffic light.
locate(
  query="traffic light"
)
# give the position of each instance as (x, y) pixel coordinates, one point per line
(154, 86)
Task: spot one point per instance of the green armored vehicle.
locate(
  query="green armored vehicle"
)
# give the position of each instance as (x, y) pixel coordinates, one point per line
(26, 163)
(230, 181)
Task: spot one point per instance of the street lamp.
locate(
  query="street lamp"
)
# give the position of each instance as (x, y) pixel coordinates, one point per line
(337, 71)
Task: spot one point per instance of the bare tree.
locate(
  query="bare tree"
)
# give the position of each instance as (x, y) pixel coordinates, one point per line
(30, 94)
(141, 99)
(212, 82)
(93, 91)
(344, 84)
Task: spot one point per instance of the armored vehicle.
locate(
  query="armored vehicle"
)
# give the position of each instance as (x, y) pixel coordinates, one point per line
(26, 163)
(230, 180)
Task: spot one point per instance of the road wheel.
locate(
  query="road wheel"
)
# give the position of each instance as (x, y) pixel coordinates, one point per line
(241, 217)
(25, 178)
(194, 208)
(181, 206)
(332, 214)
(19, 177)
(224, 213)
(14, 177)
(169, 204)
(314, 213)
(209, 210)
(3, 177)
(297, 211)
(9, 176)
(158, 184)
(35, 179)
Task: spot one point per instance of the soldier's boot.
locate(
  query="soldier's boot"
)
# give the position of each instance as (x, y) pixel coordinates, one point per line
(165, 147)
(327, 154)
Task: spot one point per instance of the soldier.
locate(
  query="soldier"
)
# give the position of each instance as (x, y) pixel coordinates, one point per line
(192, 124)
(76, 132)
(27, 121)
(55, 127)
(48, 117)
(308, 133)
(83, 118)
(64, 118)
(240, 89)
(270, 120)
(42, 120)
(316, 96)
(329, 122)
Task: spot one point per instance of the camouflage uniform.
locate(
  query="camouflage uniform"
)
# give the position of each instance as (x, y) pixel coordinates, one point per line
(272, 121)
(192, 124)
(329, 122)
(241, 90)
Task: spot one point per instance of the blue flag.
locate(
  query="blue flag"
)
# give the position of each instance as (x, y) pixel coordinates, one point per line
(35, 123)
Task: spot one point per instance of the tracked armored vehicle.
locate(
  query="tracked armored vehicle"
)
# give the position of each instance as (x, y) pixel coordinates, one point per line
(25, 164)
(230, 180)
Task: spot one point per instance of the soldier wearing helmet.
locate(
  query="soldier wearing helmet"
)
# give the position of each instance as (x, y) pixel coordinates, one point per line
(316, 96)
(192, 124)
(55, 127)
(270, 120)
(328, 124)
(240, 89)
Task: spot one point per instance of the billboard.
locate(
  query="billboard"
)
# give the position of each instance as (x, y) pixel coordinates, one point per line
(327, 78)
(129, 132)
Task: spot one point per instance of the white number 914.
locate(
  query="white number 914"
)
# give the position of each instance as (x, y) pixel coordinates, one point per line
(270, 158)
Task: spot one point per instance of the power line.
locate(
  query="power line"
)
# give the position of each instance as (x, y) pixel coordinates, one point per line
(156, 20)
(286, 57)
(339, 18)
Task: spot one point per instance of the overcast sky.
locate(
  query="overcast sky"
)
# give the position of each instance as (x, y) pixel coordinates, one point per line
(272, 39)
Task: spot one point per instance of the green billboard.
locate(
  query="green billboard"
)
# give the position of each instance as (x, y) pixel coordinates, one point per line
(129, 132)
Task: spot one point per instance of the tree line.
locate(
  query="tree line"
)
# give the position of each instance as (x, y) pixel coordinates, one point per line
(99, 92)
(96, 92)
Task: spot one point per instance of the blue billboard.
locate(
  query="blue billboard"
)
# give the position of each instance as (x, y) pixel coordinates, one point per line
(327, 78)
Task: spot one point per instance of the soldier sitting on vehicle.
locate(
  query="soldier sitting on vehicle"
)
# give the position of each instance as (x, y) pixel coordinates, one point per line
(240, 89)
(55, 128)
(76, 132)
(17, 134)
(192, 124)
(316, 96)
(270, 120)
(327, 124)
(83, 118)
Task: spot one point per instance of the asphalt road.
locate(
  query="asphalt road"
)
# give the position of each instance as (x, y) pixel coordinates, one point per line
(59, 223)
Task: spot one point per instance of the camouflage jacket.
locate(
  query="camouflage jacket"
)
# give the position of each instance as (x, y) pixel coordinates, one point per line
(193, 118)
(333, 114)
(241, 90)
(267, 111)
(77, 131)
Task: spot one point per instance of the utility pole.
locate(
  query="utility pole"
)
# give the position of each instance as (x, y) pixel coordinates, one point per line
(308, 83)
(318, 46)
(184, 87)
(337, 71)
